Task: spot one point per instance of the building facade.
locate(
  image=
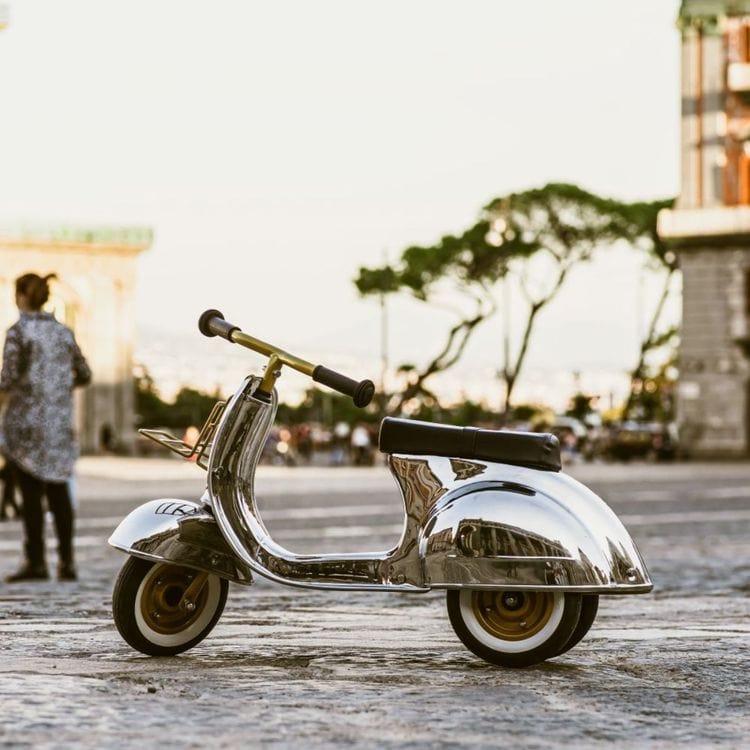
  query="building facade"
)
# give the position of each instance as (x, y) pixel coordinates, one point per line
(95, 296)
(709, 228)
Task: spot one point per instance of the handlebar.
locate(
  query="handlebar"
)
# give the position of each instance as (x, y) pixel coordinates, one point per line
(361, 392)
(212, 323)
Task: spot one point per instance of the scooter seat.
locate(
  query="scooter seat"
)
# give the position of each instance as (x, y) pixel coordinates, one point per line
(535, 450)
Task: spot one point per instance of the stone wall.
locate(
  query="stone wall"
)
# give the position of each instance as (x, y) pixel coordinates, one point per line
(712, 397)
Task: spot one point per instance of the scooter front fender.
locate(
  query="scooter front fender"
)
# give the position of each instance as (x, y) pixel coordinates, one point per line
(180, 532)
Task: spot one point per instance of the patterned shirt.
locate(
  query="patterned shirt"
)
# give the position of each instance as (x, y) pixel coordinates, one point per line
(41, 365)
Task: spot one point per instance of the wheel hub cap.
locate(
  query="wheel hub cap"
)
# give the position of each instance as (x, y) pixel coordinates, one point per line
(162, 596)
(512, 615)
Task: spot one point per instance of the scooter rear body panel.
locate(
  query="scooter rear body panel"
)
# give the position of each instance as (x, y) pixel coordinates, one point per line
(487, 525)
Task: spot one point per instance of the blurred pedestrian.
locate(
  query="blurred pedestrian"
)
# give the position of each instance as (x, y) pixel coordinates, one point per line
(303, 439)
(568, 446)
(339, 443)
(41, 365)
(190, 439)
(361, 445)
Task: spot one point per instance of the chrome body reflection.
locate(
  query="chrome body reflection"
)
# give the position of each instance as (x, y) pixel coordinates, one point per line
(179, 531)
(467, 524)
(520, 527)
(231, 472)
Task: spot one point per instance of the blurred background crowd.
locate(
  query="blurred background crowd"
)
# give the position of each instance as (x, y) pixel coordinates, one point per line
(326, 429)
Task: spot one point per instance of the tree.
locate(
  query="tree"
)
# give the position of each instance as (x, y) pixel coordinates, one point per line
(651, 396)
(149, 407)
(458, 272)
(190, 407)
(641, 218)
(581, 406)
(565, 224)
(325, 407)
(556, 227)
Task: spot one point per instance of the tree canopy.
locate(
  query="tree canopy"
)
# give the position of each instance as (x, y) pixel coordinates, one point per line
(190, 406)
(553, 228)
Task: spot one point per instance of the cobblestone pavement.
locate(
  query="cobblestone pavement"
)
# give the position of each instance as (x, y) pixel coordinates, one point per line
(290, 668)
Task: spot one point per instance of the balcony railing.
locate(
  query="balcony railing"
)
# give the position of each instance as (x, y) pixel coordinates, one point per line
(704, 222)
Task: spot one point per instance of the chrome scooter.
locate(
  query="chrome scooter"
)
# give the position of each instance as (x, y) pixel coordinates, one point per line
(523, 550)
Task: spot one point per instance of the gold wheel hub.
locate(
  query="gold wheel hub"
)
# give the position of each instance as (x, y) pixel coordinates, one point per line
(162, 604)
(512, 615)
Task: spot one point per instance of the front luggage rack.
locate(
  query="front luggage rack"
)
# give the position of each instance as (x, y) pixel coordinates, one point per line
(200, 452)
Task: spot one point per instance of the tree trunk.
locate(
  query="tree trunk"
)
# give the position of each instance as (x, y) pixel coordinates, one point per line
(510, 375)
(647, 344)
(450, 354)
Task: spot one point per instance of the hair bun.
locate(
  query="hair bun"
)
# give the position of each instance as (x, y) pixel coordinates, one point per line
(35, 288)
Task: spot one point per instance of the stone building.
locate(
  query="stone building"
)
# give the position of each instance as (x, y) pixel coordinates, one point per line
(95, 296)
(710, 228)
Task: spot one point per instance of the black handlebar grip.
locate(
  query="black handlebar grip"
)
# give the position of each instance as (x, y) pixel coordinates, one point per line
(361, 392)
(212, 323)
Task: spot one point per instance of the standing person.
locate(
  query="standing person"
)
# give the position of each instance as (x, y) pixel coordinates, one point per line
(339, 442)
(41, 365)
(361, 445)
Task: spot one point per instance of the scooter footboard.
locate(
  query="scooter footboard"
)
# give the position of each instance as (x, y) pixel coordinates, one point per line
(508, 535)
(180, 532)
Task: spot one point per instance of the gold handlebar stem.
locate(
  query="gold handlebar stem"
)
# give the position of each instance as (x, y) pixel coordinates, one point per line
(276, 358)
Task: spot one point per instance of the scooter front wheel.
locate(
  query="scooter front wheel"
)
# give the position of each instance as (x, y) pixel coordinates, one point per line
(514, 628)
(150, 612)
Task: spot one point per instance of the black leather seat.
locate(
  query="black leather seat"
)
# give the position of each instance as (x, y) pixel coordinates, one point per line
(535, 450)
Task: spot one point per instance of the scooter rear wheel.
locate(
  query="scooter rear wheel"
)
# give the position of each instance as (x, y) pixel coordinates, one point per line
(148, 610)
(514, 628)
(589, 608)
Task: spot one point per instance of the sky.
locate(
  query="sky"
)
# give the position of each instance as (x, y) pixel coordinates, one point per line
(277, 147)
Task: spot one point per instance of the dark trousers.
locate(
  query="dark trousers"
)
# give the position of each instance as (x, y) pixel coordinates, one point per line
(58, 501)
(9, 492)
